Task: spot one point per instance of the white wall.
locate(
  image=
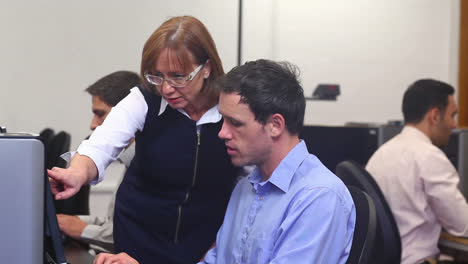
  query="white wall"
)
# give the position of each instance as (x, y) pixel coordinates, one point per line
(50, 51)
(373, 48)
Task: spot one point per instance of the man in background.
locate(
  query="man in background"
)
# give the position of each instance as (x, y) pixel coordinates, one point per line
(106, 93)
(417, 179)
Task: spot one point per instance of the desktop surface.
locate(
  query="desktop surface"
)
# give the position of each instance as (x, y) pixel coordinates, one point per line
(76, 253)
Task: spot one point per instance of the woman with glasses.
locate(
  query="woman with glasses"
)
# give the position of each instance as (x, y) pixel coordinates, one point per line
(172, 199)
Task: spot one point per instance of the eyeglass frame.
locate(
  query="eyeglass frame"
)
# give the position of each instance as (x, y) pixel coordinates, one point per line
(170, 81)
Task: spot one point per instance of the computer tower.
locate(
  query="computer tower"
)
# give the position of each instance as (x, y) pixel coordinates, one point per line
(22, 198)
(333, 144)
(457, 152)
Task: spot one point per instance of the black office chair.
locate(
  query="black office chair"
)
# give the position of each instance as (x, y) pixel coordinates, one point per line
(59, 144)
(79, 203)
(365, 228)
(46, 135)
(387, 246)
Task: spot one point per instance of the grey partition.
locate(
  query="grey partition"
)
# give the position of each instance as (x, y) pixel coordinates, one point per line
(21, 198)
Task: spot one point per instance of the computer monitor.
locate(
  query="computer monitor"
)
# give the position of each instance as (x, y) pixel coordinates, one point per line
(457, 153)
(28, 227)
(333, 144)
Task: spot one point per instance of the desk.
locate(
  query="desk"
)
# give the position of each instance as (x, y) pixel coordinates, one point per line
(456, 247)
(77, 254)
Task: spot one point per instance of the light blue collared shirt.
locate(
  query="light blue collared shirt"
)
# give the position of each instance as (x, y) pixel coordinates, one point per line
(302, 214)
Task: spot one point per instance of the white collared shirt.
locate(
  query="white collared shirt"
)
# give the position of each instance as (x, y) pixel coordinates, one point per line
(120, 126)
(420, 186)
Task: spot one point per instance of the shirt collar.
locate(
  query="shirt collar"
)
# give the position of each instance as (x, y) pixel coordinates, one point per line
(414, 132)
(163, 106)
(283, 174)
(211, 116)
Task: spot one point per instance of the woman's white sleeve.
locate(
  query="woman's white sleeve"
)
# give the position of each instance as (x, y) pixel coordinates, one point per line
(119, 127)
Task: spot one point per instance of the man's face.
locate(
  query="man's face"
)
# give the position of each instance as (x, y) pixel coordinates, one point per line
(446, 123)
(100, 111)
(247, 141)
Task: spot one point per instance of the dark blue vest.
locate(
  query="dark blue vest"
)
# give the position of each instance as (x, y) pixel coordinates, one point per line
(174, 195)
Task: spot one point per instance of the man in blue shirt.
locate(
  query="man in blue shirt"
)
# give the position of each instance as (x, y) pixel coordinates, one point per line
(291, 208)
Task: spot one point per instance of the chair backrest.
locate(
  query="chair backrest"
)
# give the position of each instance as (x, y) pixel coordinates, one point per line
(365, 228)
(387, 247)
(47, 134)
(59, 144)
(79, 203)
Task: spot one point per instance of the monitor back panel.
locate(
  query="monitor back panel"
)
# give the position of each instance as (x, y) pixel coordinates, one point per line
(21, 199)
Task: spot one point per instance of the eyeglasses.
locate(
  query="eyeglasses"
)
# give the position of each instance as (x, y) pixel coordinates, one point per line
(174, 82)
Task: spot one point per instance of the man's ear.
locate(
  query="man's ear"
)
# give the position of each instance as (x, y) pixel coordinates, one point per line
(433, 116)
(276, 125)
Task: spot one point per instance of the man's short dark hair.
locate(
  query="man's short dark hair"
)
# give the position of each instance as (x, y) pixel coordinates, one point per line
(423, 95)
(268, 87)
(114, 87)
